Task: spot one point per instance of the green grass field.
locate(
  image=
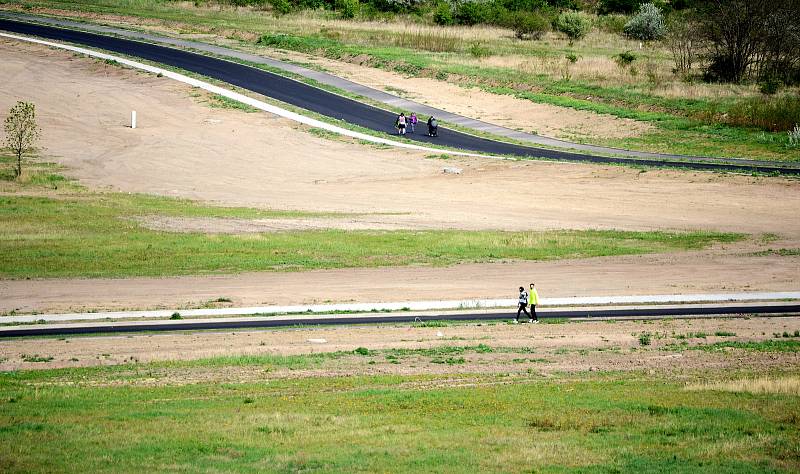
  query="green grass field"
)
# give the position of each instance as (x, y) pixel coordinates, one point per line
(110, 419)
(689, 118)
(68, 231)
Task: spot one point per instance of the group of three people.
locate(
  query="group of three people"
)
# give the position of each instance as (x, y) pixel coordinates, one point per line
(528, 298)
(402, 123)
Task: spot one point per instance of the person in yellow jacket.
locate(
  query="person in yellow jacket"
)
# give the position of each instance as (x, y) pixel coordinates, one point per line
(533, 300)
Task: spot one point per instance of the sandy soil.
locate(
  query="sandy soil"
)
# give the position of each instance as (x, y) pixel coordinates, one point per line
(693, 272)
(541, 349)
(187, 149)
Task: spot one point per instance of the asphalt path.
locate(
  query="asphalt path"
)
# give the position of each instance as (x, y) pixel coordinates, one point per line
(332, 105)
(266, 322)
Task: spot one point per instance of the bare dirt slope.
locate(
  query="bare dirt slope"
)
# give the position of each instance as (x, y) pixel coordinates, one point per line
(185, 148)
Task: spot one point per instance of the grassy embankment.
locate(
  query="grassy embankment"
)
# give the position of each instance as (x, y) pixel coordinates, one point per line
(49, 227)
(136, 418)
(689, 117)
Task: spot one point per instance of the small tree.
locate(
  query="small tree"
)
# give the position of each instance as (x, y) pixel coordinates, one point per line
(684, 42)
(528, 25)
(21, 131)
(647, 24)
(575, 25)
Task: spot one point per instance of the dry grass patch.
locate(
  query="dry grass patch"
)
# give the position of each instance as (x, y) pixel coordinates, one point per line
(786, 385)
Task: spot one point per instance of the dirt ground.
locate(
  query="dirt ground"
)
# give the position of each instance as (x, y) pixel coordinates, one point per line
(184, 148)
(540, 349)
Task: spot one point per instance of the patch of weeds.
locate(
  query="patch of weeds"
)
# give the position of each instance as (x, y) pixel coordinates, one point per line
(724, 334)
(176, 315)
(645, 338)
(362, 351)
(761, 346)
(275, 430)
(223, 299)
(483, 349)
(443, 156)
(249, 400)
(436, 323)
(448, 361)
(35, 358)
(322, 133)
(554, 320)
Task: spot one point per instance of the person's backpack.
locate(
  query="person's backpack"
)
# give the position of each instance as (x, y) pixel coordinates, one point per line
(434, 124)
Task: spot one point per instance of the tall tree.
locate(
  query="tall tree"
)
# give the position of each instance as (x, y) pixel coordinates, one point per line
(21, 131)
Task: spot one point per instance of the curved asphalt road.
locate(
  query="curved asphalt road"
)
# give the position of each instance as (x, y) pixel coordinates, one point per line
(333, 105)
(253, 323)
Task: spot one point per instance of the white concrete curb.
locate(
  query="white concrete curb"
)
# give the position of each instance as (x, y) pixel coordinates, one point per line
(244, 99)
(408, 305)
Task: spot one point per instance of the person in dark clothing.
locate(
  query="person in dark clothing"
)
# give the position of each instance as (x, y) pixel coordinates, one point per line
(523, 304)
(433, 127)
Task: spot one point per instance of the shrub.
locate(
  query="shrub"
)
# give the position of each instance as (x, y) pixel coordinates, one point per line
(572, 57)
(625, 58)
(472, 13)
(443, 14)
(645, 338)
(770, 85)
(176, 315)
(281, 7)
(479, 51)
(347, 8)
(614, 23)
(528, 25)
(647, 24)
(575, 25)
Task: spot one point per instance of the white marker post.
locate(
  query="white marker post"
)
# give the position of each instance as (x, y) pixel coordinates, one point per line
(133, 119)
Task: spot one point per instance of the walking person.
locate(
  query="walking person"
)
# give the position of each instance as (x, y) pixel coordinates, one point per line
(401, 124)
(413, 121)
(433, 126)
(533, 300)
(523, 304)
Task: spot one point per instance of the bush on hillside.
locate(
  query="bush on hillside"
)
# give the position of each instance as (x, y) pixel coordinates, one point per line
(443, 15)
(575, 25)
(472, 13)
(347, 8)
(527, 25)
(280, 7)
(648, 24)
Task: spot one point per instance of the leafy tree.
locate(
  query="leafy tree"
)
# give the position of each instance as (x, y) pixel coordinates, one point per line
(528, 25)
(21, 131)
(347, 8)
(648, 23)
(443, 14)
(735, 31)
(575, 25)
